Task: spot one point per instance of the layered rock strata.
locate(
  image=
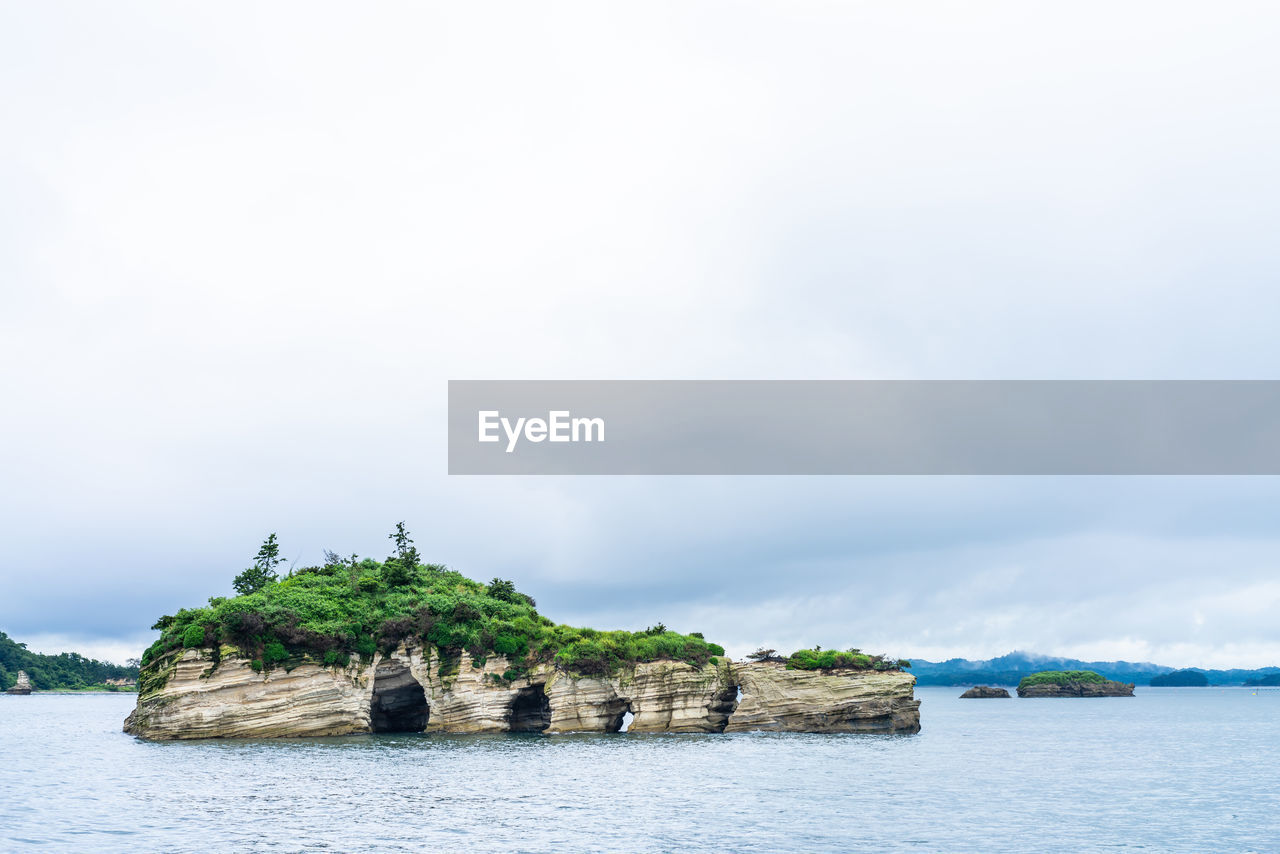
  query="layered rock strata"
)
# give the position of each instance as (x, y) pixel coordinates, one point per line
(781, 700)
(229, 699)
(414, 689)
(22, 686)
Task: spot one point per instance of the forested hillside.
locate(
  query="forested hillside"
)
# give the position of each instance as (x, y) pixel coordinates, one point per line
(50, 672)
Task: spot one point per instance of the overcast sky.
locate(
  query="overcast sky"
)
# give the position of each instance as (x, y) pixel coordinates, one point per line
(244, 246)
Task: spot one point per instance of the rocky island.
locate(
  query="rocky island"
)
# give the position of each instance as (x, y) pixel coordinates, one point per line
(359, 646)
(985, 692)
(22, 686)
(1072, 683)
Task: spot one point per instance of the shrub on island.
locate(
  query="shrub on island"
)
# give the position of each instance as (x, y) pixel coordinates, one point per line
(830, 659)
(193, 636)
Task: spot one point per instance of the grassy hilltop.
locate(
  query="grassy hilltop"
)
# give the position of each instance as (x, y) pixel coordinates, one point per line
(351, 606)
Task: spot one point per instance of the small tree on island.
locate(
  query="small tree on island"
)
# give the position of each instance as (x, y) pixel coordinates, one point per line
(501, 588)
(399, 568)
(405, 551)
(353, 571)
(763, 654)
(263, 571)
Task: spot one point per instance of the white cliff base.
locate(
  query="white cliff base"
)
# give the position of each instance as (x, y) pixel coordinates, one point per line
(189, 695)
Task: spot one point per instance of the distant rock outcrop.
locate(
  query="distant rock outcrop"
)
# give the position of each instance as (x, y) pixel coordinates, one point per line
(985, 692)
(413, 690)
(22, 686)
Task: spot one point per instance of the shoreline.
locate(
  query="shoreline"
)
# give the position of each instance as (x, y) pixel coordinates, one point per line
(74, 691)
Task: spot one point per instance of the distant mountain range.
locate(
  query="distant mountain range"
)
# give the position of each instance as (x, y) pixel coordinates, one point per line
(1009, 670)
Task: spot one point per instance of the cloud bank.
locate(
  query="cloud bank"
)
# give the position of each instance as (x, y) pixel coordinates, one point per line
(244, 248)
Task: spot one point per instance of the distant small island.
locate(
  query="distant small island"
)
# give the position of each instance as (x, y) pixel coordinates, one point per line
(985, 692)
(1072, 683)
(1181, 679)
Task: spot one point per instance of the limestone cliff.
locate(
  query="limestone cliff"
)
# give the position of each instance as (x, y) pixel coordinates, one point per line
(413, 689)
(229, 699)
(663, 696)
(22, 686)
(774, 698)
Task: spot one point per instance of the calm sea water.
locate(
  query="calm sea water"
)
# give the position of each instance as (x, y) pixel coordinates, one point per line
(1169, 770)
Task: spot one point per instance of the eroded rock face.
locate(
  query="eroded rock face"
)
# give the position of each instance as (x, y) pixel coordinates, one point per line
(232, 700)
(414, 690)
(985, 692)
(663, 696)
(22, 686)
(1079, 689)
(466, 698)
(777, 699)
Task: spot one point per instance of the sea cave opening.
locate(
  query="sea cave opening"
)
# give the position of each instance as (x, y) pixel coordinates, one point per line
(399, 703)
(530, 710)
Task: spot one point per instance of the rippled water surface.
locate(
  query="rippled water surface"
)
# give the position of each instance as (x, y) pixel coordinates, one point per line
(1169, 770)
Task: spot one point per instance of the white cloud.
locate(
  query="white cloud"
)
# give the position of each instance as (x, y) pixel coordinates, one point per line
(245, 247)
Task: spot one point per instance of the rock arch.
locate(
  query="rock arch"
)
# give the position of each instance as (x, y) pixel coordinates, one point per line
(615, 714)
(722, 706)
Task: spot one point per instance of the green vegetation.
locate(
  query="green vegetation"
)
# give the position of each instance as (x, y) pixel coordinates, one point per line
(398, 570)
(193, 636)
(66, 672)
(1060, 677)
(352, 607)
(1180, 679)
(263, 571)
(831, 659)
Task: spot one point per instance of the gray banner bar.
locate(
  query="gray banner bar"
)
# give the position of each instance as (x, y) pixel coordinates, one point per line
(864, 427)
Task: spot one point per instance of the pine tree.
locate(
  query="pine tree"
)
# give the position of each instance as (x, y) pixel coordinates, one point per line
(263, 571)
(400, 567)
